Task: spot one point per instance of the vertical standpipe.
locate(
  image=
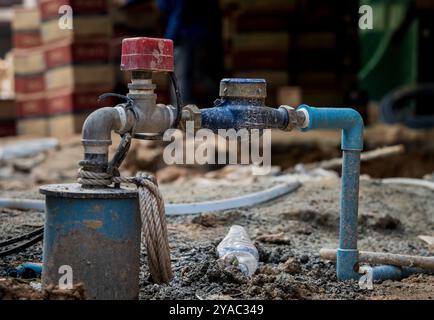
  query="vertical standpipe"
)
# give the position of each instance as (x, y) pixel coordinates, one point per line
(351, 124)
(95, 234)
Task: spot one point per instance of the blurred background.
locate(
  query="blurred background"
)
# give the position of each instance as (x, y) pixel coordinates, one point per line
(309, 51)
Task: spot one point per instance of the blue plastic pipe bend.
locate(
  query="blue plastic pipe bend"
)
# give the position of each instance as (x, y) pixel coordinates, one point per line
(349, 120)
(351, 124)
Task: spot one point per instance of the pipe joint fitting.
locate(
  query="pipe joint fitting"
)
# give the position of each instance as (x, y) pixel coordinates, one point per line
(191, 113)
(347, 264)
(346, 119)
(296, 119)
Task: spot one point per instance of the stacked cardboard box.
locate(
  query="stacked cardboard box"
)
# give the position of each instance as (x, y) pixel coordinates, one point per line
(60, 71)
(78, 61)
(257, 41)
(29, 69)
(303, 47)
(7, 102)
(26, 28)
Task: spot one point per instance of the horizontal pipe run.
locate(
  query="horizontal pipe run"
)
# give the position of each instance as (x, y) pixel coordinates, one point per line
(386, 272)
(22, 204)
(248, 200)
(243, 116)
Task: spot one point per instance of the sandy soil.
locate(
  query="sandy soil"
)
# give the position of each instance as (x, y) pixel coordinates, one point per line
(391, 218)
(288, 232)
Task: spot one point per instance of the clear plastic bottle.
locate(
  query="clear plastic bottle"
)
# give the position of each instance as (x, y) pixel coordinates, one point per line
(237, 249)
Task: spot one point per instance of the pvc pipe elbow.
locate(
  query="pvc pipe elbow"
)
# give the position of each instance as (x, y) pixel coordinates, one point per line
(347, 119)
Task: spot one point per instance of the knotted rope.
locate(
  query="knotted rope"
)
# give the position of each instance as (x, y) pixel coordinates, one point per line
(153, 216)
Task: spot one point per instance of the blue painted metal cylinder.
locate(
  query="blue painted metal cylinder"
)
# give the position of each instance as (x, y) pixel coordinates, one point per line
(97, 233)
(242, 106)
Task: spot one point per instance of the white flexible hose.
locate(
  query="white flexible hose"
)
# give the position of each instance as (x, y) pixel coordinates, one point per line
(232, 203)
(248, 200)
(409, 181)
(22, 204)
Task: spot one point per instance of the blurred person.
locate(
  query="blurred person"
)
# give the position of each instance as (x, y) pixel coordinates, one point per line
(195, 28)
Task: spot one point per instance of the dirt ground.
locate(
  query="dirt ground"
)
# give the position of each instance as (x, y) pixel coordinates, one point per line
(288, 231)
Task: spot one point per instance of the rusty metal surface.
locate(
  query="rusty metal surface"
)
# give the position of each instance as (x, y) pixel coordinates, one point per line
(99, 238)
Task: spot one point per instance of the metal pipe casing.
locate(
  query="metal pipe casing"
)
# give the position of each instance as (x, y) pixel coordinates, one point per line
(97, 233)
(242, 107)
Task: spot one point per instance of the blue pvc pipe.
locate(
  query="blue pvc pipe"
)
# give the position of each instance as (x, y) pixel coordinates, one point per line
(347, 254)
(349, 120)
(351, 124)
(27, 270)
(386, 272)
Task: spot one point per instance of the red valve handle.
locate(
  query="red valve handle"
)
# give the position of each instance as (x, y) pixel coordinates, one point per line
(147, 54)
